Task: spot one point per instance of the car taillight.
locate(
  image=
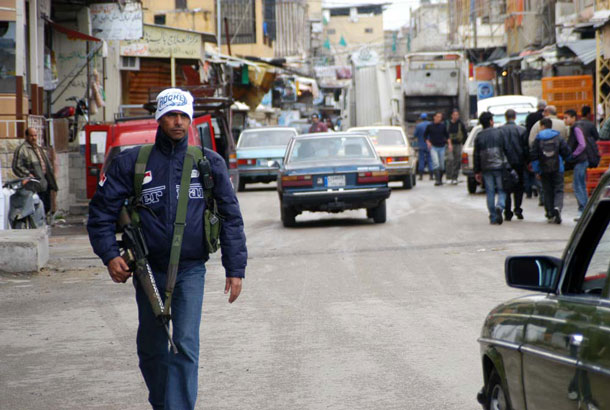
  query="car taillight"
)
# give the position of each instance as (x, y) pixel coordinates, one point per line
(464, 158)
(232, 161)
(249, 161)
(389, 160)
(297, 180)
(373, 177)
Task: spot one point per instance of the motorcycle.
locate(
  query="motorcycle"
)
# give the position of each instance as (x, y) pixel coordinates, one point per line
(26, 210)
(75, 115)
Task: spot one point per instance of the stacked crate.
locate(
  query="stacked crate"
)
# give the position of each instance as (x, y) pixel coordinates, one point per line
(594, 174)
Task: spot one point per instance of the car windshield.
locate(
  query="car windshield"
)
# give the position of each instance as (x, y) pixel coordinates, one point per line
(384, 137)
(331, 148)
(265, 138)
(499, 119)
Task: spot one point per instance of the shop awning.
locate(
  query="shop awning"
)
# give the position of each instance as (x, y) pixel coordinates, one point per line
(501, 62)
(72, 34)
(585, 50)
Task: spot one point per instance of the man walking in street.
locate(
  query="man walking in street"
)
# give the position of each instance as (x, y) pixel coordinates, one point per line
(31, 160)
(531, 184)
(490, 156)
(437, 140)
(171, 378)
(457, 136)
(317, 125)
(423, 153)
(587, 126)
(550, 112)
(516, 142)
(548, 154)
(578, 144)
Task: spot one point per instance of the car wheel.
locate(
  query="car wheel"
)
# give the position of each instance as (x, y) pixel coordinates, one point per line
(378, 213)
(407, 182)
(497, 398)
(241, 185)
(472, 185)
(288, 215)
(413, 179)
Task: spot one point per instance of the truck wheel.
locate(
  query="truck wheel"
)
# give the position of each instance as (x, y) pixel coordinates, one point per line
(378, 213)
(241, 185)
(288, 215)
(497, 399)
(472, 185)
(407, 182)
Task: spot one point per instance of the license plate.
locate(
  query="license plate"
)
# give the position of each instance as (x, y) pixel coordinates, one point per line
(335, 180)
(263, 162)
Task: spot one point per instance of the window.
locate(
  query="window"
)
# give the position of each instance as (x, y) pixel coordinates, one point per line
(181, 4)
(339, 12)
(331, 31)
(160, 19)
(368, 30)
(241, 18)
(205, 135)
(98, 146)
(8, 81)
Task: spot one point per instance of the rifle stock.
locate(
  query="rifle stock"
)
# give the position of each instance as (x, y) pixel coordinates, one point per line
(135, 253)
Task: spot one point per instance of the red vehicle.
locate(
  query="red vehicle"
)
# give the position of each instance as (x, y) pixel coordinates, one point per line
(104, 141)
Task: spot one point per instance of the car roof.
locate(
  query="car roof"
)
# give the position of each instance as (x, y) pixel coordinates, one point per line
(280, 127)
(377, 127)
(331, 134)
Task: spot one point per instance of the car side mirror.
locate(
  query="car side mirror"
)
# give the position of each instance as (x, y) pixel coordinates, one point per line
(538, 273)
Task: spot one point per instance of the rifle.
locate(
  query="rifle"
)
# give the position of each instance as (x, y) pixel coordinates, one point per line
(135, 253)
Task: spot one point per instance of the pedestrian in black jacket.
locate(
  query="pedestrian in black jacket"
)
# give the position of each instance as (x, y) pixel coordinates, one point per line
(587, 127)
(517, 143)
(531, 184)
(490, 164)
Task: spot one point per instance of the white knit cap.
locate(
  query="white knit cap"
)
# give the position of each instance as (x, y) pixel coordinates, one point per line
(174, 99)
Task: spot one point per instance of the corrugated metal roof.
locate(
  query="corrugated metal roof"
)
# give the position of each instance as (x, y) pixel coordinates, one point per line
(585, 50)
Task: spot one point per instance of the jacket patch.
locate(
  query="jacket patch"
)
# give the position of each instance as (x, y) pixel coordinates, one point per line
(194, 173)
(147, 177)
(152, 195)
(102, 179)
(195, 191)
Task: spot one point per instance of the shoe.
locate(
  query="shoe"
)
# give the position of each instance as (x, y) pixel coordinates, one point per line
(493, 223)
(556, 216)
(421, 176)
(528, 195)
(508, 215)
(499, 219)
(519, 214)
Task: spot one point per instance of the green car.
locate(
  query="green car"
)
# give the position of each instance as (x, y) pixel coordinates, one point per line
(552, 350)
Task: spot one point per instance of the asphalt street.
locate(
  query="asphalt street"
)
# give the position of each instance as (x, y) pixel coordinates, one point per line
(337, 313)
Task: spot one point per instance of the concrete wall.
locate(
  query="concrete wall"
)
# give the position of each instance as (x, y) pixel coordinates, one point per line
(431, 28)
(76, 175)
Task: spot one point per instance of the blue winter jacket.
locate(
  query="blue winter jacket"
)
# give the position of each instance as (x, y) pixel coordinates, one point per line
(160, 196)
(420, 129)
(547, 134)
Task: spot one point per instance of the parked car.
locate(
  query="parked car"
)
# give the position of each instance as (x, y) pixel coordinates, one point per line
(260, 152)
(332, 172)
(551, 350)
(302, 126)
(522, 105)
(395, 152)
(468, 160)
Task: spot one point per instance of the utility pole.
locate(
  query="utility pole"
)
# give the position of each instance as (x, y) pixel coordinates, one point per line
(473, 18)
(218, 26)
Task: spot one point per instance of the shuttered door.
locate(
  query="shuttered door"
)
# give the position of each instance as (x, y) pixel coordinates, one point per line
(154, 72)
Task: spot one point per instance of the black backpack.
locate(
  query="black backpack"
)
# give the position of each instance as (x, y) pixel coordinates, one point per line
(592, 152)
(549, 155)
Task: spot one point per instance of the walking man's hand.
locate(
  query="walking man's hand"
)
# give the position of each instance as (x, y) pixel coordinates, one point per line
(118, 270)
(233, 285)
(478, 177)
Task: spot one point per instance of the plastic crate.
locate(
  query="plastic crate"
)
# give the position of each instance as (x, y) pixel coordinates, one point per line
(604, 147)
(568, 92)
(604, 162)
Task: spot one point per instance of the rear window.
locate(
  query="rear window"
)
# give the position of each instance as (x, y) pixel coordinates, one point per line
(112, 153)
(384, 137)
(265, 138)
(331, 148)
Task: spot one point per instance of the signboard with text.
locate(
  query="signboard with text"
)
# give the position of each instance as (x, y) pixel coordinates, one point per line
(164, 42)
(110, 21)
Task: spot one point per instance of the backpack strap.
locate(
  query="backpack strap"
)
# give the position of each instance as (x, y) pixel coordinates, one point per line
(138, 179)
(179, 224)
